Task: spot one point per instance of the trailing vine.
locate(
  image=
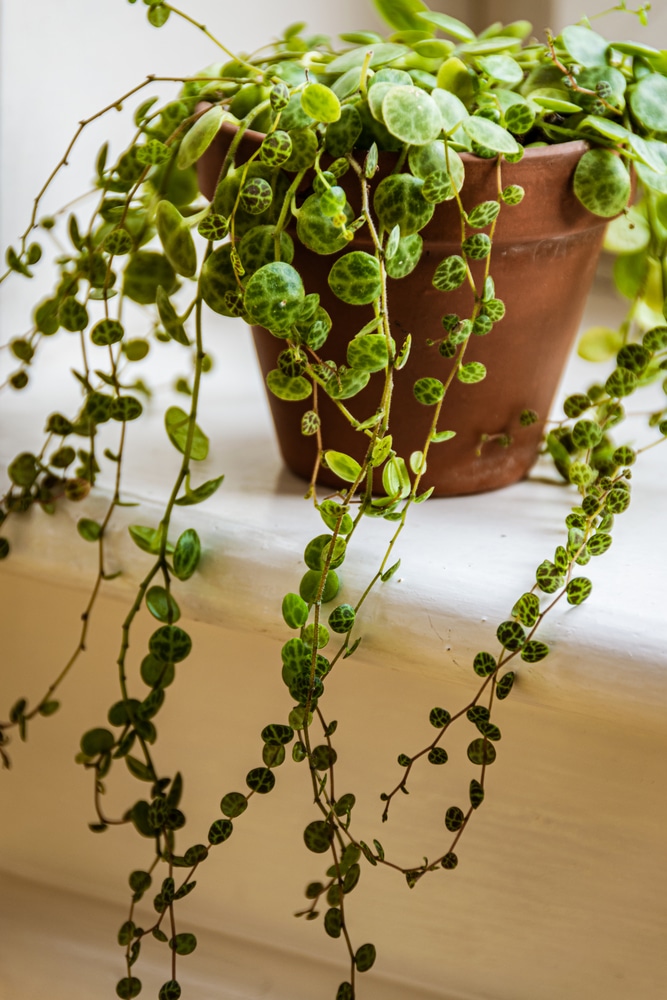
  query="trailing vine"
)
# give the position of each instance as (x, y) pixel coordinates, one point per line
(326, 117)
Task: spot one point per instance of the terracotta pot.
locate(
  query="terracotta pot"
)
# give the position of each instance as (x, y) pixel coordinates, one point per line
(544, 256)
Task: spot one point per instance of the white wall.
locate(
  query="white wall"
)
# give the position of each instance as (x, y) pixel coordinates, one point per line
(615, 26)
(60, 62)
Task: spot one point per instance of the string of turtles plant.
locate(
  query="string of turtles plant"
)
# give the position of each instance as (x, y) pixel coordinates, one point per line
(325, 115)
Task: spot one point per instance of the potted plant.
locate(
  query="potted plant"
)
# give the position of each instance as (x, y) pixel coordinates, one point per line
(349, 154)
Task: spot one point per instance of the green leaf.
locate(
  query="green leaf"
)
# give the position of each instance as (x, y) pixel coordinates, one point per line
(527, 609)
(368, 352)
(407, 256)
(187, 554)
(274, 296)
(220, 830)
(170, 644)
(288, 387)
(585, 46)
(503, 68)
(96, 741)
(200, 136)
(476, 793)
(549, 578)
(183, 944)
(318, 551)
(486, 133)
(383, 52)
(342, 618)
(402, 15)
(347, 383)
(176, 239)
(388, 573)
(471, 373)
(126, 933)
(277, 734)
(318, 836)
(125, 408)
(411, 115)
(621, 382)
(170, 990)
(511, 635)
(333, 922)
(323, 757)
(450, 273)
(428, 391)
(295, 611)
(170, 318)
(399, 201)
(503, 688)
(234, 804)
(454, 818)
(477, 246)
(147, 539)
(438, 436)
(481, 752)
(450, 25)
(336, 517)
(273, 756)
(578, 589)
(599, 543)
(260, 780)
(128, 988)
(146, 271)
(602, 183)
(138, 769)
(106, 332)
(158, 14)
(534, 651)
(355, 278)
(49, 707)
(200, 493)
(344, 466)
(586, 434)
(395, 478)
(483, 214)
(309, 588)
(364, 957)
(484, 664)
(648, 100)
(140, 881)
(599, 343)
(162, 605)
(89, 530)
(177, 424)
(318, 101)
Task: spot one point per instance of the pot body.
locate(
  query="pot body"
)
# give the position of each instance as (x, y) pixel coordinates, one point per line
(543, 261)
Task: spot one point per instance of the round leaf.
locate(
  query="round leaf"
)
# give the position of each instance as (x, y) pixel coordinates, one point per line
(355, 278)
(411, 115)
(318, 836)
(487, 133)
(273, 297)
(602, 183)
(344, 466)
(320, 103)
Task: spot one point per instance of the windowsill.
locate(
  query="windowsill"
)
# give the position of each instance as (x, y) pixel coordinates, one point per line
(463, 560)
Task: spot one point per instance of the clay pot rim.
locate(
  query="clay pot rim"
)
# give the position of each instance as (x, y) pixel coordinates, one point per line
(575, 147)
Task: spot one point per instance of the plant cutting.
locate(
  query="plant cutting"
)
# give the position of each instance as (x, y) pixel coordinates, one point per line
(348, 154)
